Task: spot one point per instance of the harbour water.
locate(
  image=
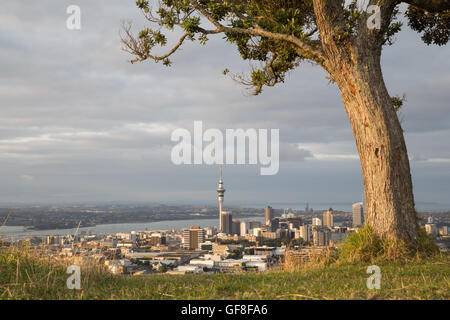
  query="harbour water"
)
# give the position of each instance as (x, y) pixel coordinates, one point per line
(17, 232)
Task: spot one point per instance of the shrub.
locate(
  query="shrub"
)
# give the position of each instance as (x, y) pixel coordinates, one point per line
(365, 246)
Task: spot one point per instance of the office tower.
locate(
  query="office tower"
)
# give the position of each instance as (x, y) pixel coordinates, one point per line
(244, 228)
(268, 215)
(210, 231)
(235, 227)
(304, 233)
(226, 221)
(257, 232)
(275, 224)
(254, 224)
(294, 223)
(316, 222)
(358, 214)
(193, 237)
(328, 218)
(220, 195)
(321, 236)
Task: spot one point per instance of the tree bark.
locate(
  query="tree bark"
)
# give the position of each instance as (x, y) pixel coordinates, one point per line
(354, 64)
(379, 138)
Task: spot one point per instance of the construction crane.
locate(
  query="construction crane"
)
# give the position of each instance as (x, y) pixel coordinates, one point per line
(75, 234)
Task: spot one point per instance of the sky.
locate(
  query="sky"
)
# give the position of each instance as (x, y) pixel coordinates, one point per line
(80, 124)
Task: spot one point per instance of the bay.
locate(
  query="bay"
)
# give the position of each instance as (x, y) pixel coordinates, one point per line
(17, 232)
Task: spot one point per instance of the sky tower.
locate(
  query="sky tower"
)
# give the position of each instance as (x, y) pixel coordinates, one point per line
(220, 194)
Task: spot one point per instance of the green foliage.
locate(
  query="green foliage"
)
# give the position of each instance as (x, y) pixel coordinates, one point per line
(365, 246)
(393, 28)
(243, 242)
(351, 17)
(398, 102)
(191, 24)
(143, 5)
(276, 56)
(434, 27)
(361, 246)
(426, 245)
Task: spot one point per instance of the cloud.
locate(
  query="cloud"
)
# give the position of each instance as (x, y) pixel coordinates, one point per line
(291, 152)
(88, 126)
(26, 177)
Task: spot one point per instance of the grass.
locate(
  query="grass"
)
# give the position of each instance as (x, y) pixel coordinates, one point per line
(23, 275)
(364, 246)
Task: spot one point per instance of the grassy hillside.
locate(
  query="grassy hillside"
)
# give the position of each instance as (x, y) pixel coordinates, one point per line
(23, 276)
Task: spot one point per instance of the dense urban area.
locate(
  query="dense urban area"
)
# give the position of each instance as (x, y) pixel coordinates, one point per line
(236, 246)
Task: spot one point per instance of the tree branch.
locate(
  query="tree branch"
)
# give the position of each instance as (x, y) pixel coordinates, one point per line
(433, 6)
(314, 53)
(134, 46)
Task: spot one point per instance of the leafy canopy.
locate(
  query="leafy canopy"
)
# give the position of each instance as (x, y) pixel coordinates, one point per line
(278, 35)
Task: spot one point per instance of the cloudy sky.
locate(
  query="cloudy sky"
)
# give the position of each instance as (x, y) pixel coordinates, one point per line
(78, 123)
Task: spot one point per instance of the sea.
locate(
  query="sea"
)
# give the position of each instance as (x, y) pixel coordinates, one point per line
(18, 232)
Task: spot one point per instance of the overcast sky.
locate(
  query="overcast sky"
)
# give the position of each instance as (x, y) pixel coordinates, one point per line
(78, 123)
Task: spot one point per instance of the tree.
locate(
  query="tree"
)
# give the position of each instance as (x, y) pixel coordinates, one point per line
(346, 40)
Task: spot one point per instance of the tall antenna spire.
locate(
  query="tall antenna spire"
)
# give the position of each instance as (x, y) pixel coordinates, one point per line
(220, 195)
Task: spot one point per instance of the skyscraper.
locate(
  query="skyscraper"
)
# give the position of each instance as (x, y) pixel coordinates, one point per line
(220, 195)
(235, 227)
(316, 222)
(226, 222)
(321, 236)
(244, 228)
(358, 214)
(193, 237)
(328, 218)
(268, 215)
(305, 233)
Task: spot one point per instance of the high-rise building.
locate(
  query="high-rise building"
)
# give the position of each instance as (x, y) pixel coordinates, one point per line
(244, 228)
(321, 236)
(210, 231)
(235, 227)
(294, 223)
(268, 215)
(226, 222)
(316, 222)
(328, 218)
(275, 224)
(220, 196)
(305, 233)
(193, 237)
(254, 224)
(358, 214)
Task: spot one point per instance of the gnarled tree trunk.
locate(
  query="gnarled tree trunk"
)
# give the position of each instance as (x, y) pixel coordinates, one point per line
(381, 146)
(354, 64)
